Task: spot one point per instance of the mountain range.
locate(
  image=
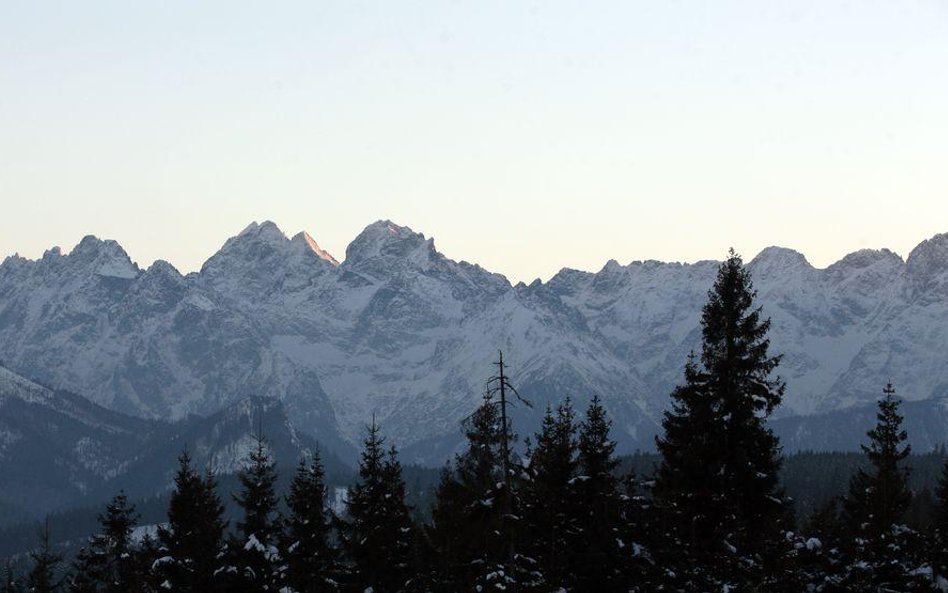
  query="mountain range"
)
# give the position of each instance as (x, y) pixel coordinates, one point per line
(400, 332)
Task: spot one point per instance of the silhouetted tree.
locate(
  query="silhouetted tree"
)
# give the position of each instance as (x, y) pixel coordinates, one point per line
(549, 501)
(879, 547)
(110, 563)
(192, 542)
(43, 576)
(378, 529)
(717, 483)
(254, 554)
(310, 557)
(609, 551)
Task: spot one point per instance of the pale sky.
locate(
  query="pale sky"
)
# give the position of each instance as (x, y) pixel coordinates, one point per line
(524, 137)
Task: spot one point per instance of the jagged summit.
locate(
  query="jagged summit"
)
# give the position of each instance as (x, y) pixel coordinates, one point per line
(777, 258)
(400, 330)
(385, 238)
(865, 258)
(105, 256)
(930, 257)
(266, 232)
(164, 267)
(304, 241)
(263, 248)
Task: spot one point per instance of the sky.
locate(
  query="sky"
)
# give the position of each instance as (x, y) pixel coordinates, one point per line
(523, 136)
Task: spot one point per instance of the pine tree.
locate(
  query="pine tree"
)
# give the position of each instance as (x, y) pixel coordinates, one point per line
(192, 542)
(109, 562)
(599, 558)
(149, 551)
(86, 576)
(43, 576)
(401, 527)
(378, 530)
(467, 516)
(717, 483)
(310, 557)
(634, 561)
(473, 530)
(549, 501)
(880, 547)
(253, 549)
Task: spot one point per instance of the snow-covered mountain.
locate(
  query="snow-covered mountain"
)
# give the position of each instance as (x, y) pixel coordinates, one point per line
(57, 447)
(400, 331)
(59, 450)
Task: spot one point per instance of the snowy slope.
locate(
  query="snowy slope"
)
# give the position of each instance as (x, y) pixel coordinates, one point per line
(59, 450)
(56, 447)
(400, 331)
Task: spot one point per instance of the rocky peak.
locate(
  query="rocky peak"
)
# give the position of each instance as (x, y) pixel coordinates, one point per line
(304, 243)
(775, 260)
(929, 258)
(387, 239)
(865, 258)
(161, 275)
(103, 257)
(266, 245)
(266, 233)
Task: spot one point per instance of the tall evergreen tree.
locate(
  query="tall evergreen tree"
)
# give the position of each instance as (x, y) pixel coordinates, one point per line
(110, 561)
(599, 559)
(253, 549)
(307, 549)
(86, 575)
(879, 498)
(378, 530)
(472, 528)
(549, 503)
(467, 516)
(717, 482)
(44, 575)
(880, 547)
(192, 541)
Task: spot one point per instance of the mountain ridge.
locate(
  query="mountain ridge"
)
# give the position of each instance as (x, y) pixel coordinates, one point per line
(401, 331)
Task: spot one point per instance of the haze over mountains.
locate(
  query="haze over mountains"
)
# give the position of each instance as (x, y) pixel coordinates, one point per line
(400, 331)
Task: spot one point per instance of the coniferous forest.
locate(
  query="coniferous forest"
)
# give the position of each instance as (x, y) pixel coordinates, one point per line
(552, 512)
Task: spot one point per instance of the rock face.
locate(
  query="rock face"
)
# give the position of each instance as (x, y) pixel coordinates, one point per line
(402, 332)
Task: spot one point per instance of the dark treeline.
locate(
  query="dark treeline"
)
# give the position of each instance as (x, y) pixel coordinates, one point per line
(710, 512)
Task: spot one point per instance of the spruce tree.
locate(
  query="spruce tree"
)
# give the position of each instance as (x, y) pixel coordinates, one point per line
(192, 541)
(86, 575)
(110, 563)
(549, 503)
(307, 549)
(44, 575)
(148, 552)
(602, 556)
(253, 549)
(717, 483)
(880, 547)
(467, 518)
(377, 531)
(471, 531)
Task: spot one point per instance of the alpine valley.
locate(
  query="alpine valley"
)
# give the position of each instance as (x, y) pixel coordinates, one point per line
(107, 365)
